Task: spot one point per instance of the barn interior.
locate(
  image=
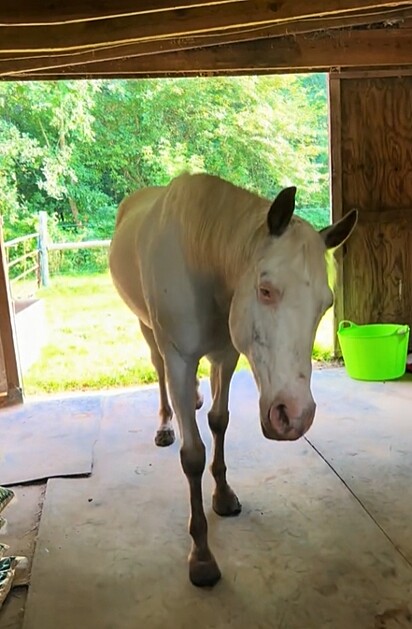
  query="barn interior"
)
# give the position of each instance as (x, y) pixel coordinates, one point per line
(324, 538)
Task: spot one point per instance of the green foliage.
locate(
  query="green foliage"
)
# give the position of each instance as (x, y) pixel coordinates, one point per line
(76, 148)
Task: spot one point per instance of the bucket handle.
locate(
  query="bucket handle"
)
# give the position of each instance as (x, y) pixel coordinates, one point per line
(403, 330)
(346, 324)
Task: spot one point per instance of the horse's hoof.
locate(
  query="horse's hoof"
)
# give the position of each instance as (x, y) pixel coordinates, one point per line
(226, 504)
(165, 437)
(199, 401)
(204, 573)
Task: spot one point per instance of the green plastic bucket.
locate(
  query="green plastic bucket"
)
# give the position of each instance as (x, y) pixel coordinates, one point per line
(376, 351)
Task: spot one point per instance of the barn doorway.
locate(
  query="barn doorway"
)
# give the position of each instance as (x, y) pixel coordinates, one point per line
(87, 145)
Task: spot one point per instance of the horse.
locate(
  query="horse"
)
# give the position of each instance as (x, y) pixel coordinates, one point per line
(212, 269)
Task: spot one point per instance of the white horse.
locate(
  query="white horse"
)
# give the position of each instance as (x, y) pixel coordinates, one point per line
(213, 270)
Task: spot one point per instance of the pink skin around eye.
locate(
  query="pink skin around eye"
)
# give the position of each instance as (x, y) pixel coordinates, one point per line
(268, 294)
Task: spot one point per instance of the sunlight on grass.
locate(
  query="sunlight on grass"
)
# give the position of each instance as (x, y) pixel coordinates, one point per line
(94, 341)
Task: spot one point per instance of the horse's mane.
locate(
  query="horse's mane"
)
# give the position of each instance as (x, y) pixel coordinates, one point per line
(223, 225)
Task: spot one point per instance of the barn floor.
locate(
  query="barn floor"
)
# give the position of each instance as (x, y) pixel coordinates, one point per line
(324, 540)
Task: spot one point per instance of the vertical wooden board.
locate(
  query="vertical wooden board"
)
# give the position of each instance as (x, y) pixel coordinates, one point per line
(335, 168)
(7, 331)
(396, 263)
(377, 143)
(377, 274)
(3, 377)
(361, 276)
(376, 150)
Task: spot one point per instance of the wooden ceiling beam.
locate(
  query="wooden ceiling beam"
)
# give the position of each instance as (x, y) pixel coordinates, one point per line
(175, 23)
(28, 63)
(380, 47)
(49, 12)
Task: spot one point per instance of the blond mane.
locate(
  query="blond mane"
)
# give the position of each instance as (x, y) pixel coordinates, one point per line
(224, 225)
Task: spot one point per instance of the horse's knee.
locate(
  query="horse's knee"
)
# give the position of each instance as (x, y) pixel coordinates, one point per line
(218, 422)
(193, 460)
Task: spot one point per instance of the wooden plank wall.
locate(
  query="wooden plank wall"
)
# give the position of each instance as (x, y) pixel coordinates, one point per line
(375, 136)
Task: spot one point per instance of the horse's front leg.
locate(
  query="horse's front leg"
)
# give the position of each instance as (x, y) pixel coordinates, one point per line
(225, 501)
(181, 374)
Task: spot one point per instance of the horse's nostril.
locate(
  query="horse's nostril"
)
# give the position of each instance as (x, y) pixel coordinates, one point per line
(283, 416)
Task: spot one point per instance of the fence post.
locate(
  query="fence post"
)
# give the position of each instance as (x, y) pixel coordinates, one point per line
(43, 252)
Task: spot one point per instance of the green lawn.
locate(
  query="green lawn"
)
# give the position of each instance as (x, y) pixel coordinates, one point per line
(94, 342)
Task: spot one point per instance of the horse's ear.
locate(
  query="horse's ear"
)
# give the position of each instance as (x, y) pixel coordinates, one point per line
(336, 234)
(281, 211)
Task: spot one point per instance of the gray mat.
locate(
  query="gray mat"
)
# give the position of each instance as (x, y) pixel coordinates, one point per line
(44, 439)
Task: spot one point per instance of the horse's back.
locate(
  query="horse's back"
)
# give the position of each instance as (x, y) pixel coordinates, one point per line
(137, 203)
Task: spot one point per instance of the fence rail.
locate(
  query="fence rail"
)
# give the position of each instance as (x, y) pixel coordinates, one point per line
(82, 244)
(21, 259)
(43, 246)
(32, 269)
(17, 241)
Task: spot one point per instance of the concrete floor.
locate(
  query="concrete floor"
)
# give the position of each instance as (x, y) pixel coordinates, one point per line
(324, 540)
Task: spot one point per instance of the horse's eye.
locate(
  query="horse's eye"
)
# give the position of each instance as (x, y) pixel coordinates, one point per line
(269, 294)
(265, 293)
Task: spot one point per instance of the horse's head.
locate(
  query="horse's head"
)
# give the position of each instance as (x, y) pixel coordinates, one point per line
(276, 309)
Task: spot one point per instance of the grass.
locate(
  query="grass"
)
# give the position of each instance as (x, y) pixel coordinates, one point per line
(94, 342)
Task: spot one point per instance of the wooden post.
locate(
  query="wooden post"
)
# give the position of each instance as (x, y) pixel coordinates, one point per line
(43, 252)
(7, 330)
(335, 169)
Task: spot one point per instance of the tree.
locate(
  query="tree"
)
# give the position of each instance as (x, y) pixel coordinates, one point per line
(76, 148)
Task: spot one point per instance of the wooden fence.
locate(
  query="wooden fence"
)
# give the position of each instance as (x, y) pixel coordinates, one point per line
(34, 268)
(40, 252)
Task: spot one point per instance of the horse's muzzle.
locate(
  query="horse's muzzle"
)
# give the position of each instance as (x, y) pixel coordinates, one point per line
(283, 424)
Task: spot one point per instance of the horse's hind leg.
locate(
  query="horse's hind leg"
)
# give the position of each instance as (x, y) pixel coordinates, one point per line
(199, 396)
(225, 501)
(165, 435)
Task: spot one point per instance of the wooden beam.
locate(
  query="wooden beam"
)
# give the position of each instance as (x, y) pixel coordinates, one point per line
(380, 47)
(387, 217)
(375, 72)
(7, 331)
(174, 23)
(27, 63)
(335, 169)
(48, 12)
(44, 12)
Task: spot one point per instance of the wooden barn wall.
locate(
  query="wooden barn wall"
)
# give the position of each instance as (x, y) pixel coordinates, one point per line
(371, 133)
(10, 376)
(3, 377)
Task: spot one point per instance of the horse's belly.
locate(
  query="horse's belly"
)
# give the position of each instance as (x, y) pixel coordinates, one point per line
(125, 272)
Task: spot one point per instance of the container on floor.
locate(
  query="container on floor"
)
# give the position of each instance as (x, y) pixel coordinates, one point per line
(375, 351)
